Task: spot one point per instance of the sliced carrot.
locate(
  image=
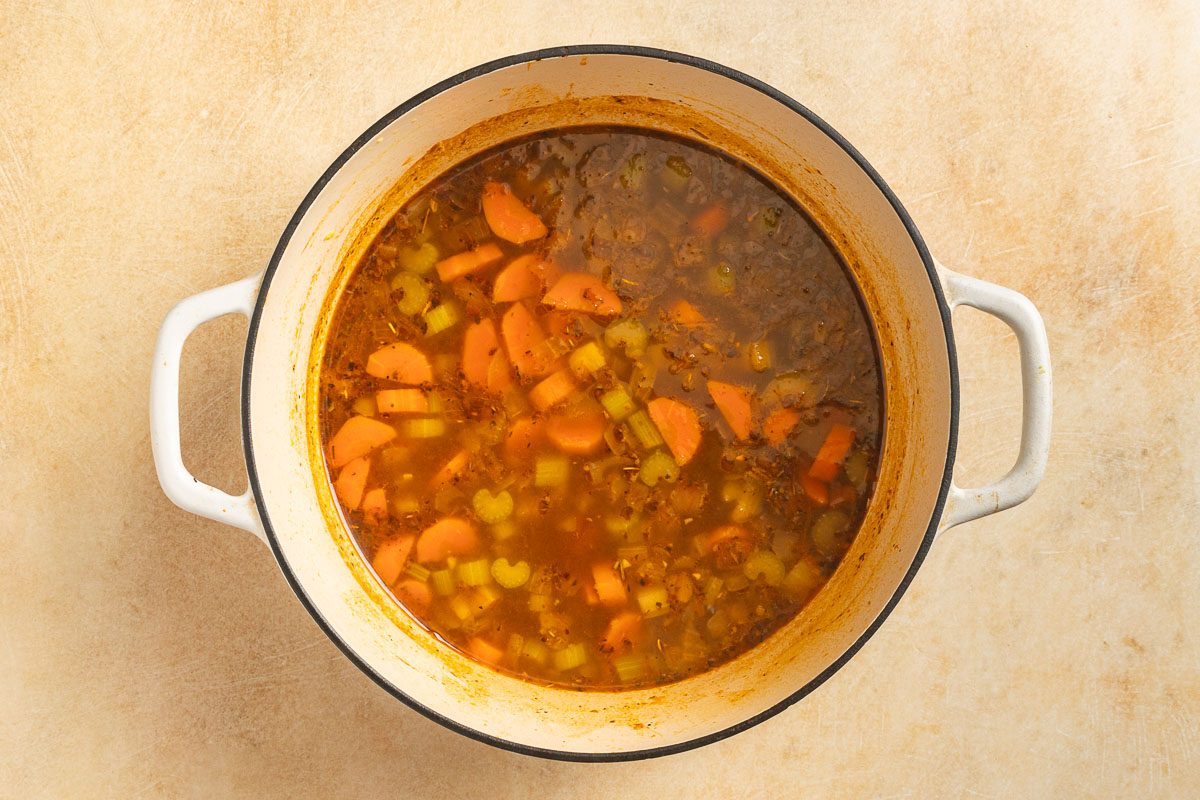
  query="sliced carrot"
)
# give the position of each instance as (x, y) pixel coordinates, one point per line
(622, 632)
(499, 374)
(684, 313)
(415, 594)
(816, 489)
(679, 426)
(508, 217)
(833, 452)
(356, 438)
(484, 650)
(711, 219)
(577, 432)
(578, 291)
(553, 390)
(374, 505)
(451, 470)
(725, 533)
(734, 404)
(469, 261)
(524, 340)
(402, 401)
(522, 440)
(779, 424)
(610, 589)
(842, 494)
(452, 536)
(389, 560)
(480, 345)
(522, 278)
(400, 362)
(351, 482)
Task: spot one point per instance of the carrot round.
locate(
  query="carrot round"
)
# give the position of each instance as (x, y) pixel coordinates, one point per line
(522, 440)
(357, 437)
(711, 219)
(400, 362)
(524, 340)
(779, 424)
(415, 594)
(389, 560)
(480, 345)
(469, 261)
(816, 489)
(553, 390)
(579, 432)
(684, 313)
(452, 536)
(679, 426)
(508, 217)
(402, 401)
(610, 589)
(518, 280)
(484, 650)
(351, 482)
(578, 291)
(621, 633)
(450, 470)
(374, 505)
(734, 403)
(832, 453)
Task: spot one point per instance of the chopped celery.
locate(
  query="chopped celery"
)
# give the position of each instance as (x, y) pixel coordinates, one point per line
(551, 471)
(628, 333)
(461, 607)
(712, 590)
(474, 573)
(570, 657)
(617, 403)
(856, 468)
(403, 505)
(652, 600)
(503, 530)
(825, 532)
(587, 360)
(763, 564)
(492, 508)
(510, 576)
(615, 523)
(722, 279)
(759, 354)
(443, 582)
(417, 571)
(414, 293)
(484, 597)
(633, 174)
(440, 318)
(424, 428)
(658, 466)
(419, 259)
(630, 667)
(535, 651)
(675, 174)
(802, 580)
(365, 406)
(644, 430)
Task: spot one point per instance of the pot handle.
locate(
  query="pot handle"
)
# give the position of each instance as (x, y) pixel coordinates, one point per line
(1016, 311)
(181, 486)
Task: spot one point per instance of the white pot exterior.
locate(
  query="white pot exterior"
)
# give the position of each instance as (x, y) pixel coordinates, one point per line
(908, 297)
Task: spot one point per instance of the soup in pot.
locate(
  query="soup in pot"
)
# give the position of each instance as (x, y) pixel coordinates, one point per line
(602, 407)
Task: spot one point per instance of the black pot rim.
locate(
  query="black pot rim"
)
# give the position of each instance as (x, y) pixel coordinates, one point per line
(576, 51)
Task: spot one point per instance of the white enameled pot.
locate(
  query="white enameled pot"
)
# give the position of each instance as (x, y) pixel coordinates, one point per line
(909, 297)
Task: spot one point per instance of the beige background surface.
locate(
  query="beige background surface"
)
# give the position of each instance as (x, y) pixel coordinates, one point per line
(149, 151)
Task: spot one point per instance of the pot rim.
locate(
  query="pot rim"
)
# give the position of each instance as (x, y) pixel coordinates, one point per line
(566, 51)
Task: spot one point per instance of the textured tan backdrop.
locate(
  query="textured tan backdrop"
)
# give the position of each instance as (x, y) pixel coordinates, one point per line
(149, 151)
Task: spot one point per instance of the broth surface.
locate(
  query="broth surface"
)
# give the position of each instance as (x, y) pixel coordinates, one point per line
(602, 408)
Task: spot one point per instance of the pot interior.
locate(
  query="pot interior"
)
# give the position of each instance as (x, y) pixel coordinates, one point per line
(492, 105)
